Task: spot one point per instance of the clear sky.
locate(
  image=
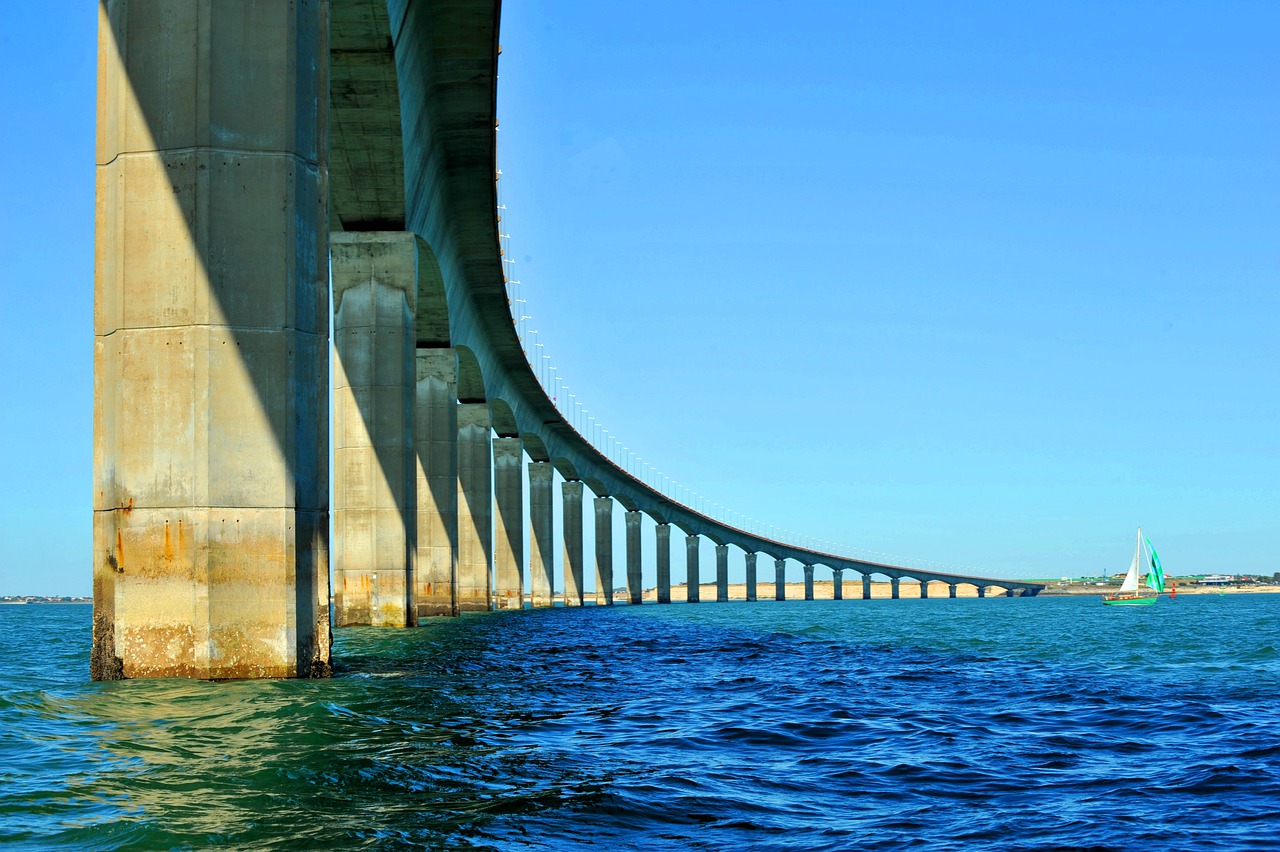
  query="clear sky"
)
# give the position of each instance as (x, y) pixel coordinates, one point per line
(986, 285)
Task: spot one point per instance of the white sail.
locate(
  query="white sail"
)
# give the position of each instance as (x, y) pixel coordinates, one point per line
(1131, 579)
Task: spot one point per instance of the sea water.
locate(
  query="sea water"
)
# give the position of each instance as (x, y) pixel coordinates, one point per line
(1047, 723)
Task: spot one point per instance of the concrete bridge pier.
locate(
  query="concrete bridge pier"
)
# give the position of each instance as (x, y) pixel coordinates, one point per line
(722, 573)
(894, 583)
(751, 575)
(604, 551)
(436, 445)
(541, 534)
(924, 588)
(508, 533)
(866, 587)
(692, 578)
(779, 579)
(982, 591)
(662, 538)
(210, 437)
(475, 507)
(808, 582)
(1008, 593)
(837, 584)
(571, 491)
(951, 590)
(634, 581)
(375, 291)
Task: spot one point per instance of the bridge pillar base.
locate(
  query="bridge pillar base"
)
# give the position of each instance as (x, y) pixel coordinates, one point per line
(951, 590)
(808, 582)
(779, 579)
(210, 437)
(571, 494)
(866, 587)
(541, 534)
(722, 573)
(662, 536)
(604, 551)
(751, 576)
(375, 291)
(837, 584)
(634, 579)
(508, 534)
(895, 583)
(924, 589)
(435, 429)
(475, 508)
(692, 579)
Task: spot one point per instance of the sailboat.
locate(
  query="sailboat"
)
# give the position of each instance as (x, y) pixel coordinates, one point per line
(1130, 594)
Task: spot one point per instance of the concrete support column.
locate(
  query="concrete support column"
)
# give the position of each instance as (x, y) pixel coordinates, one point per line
(866, 587)
(951, 590)
(663, 553)
(1008, 593)
(894, 582)
(375, 294)
(692, 578)
(508, 528)
(435, 432)
(541, 534)
(722, 573)
(604, 551)
(982, 591)
(571, 492)
(751, 575)
(634, 581)
(924, 588)
(779, 579)
(475, 507)
(808, 582)
(211, 316)
(837, 583)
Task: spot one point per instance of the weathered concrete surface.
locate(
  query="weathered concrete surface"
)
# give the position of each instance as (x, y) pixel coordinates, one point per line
(837, 584)
(722, 573)
(692, 582)
(375, 290)
(662, 552)
(436, 445)
(808, 582)
(211, 342)
(779, 579)
(895, 584)
(751, 575)
(866, 587)
(571, 518)
(541, 534)
(475, 508)
(635, 581)
(924, 589)
(508, 534)
(604, 551)
(951, 590)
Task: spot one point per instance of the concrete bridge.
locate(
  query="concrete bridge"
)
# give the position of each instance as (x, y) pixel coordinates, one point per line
(240, 145)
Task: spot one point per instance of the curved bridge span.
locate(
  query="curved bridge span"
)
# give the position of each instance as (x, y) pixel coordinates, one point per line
(225, 177)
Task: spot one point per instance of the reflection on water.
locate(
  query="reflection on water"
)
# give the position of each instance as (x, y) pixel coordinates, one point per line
(997, 724)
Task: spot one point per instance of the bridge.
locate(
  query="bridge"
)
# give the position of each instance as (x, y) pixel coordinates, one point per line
(240, 146)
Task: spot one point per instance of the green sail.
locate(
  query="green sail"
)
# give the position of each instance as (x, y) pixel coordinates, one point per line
(1156, 578)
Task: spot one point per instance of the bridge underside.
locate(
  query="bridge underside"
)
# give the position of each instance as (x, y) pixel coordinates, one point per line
(225, 178)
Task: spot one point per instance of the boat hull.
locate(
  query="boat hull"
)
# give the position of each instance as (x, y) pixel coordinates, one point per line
(1136, 600)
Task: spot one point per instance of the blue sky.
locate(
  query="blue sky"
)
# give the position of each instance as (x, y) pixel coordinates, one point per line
(982, 284)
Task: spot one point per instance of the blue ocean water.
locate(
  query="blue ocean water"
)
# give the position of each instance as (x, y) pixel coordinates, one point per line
(1050, 723)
